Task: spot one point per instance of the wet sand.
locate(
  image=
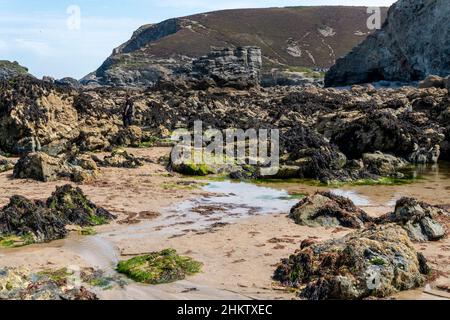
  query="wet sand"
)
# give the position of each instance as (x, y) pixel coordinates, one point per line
(238, 244)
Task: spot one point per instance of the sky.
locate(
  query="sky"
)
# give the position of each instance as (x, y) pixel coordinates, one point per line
(62, 38)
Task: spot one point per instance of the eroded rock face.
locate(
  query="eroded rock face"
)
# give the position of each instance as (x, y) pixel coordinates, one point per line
(328, 210)
(375, 262)
(422, 221)
(237, 68)
(413, 43)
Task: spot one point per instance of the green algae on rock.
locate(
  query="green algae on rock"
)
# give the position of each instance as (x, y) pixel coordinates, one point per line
(75, 208)
(375, 262)
(24, 221)
(159, 267)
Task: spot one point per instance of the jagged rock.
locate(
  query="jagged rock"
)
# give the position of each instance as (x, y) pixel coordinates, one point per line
(328, 210)
(422, 221)
(122, 159)
(227, 67)
(6, 164)
(432, 81)
(38, 166)
(424, 49)
(375, 262)
(30, 220)
(447, 83)
(68, 82)
(383, 164)
(129, 137)
(73, 207)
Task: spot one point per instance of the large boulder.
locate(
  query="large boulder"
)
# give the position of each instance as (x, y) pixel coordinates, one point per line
(328, 210)
(38, 166)
(122, 159)
(422, 221)
(128, 137)
(375, 262)
(412, 43)
(383, 164)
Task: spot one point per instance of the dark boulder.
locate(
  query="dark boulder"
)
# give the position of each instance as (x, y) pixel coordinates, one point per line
(422, 221)
(375, 262)
(328, 210)
(73, 207)
(31, 219)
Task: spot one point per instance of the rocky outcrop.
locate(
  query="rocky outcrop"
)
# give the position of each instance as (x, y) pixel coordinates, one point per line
(413, 43)
(227, 67)
(328, 210)
(73, 207)
(25, 221)
(30, 220)
(376, 262)
(422, 221)
(11, 69)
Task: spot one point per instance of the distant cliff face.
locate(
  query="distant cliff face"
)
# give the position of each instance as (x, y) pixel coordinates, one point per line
(289, 38)
(413, 43)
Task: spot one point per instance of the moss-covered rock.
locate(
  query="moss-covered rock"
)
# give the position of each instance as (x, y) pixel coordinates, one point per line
(159, 267)
(73, 207)
(193, 169)
(375, 262)
(25, 221)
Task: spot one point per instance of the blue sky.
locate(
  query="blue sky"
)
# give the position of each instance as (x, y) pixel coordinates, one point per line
(36, 33)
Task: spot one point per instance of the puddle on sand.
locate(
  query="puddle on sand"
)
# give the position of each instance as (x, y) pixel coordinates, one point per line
(227, 202)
